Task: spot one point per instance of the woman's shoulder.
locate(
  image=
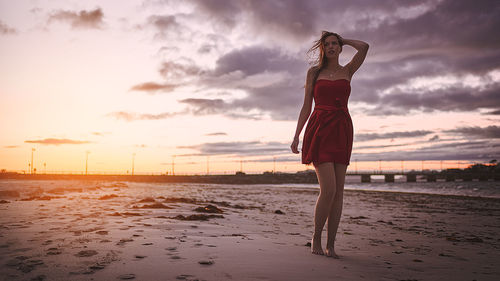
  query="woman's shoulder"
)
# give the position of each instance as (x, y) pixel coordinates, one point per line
(312, 70)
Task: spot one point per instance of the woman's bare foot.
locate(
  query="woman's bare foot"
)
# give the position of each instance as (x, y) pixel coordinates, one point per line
(330, 252)
(316, 246)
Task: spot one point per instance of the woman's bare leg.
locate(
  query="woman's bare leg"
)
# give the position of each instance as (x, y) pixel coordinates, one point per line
(326, 178)
(336, 209)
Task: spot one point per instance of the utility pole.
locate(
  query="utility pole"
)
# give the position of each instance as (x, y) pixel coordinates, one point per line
(86, 161)
(208, 164)
(380, 166)
(441, 165)
(402, 167)
(241, 165)
(173, 164)
(32, 165)
(133, 159)
(422, 166)
(274, 164)
(355, 166)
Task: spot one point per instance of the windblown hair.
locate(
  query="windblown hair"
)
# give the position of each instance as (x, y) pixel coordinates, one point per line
(319, 60)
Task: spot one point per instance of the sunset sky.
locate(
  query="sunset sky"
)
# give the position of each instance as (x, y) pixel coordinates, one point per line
(221, 82)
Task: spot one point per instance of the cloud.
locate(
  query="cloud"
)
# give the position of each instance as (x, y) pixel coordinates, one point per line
(391, 135)
(218, 106)
(100, 134)
(495, 112)
(53, 141)
(418, 40)
(83, 19)
(152, 87)
(448, 99)
(205, 106)
(216, 134)
(256, 59)
(472, 150)
(238, 148)
(6, 30)
(164, 25)
(176, 72)
(490, 132)
(294, 20)
(131, 116)
(11, 146)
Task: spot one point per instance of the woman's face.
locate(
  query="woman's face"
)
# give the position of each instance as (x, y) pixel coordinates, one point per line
(332, 47)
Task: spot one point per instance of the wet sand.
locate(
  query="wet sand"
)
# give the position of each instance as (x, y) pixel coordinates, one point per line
(72, 230)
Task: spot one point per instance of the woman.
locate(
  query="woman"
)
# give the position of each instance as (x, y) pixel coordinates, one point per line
(328, 136)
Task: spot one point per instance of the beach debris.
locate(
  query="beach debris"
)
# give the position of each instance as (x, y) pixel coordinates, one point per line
(4, 201)
(39, 278)
(147, 200)
(102, 232)
(474, 239)
(123, 241)
(206, 262)
(97, 266)
(139, 256)
(417, 260)
(387, 222)
(41, 198)
(86, 253)
(23, 264)
(180, 200)
(279, 212)
(127, 276)
(109, 196)
(153, 206)
(196, 217)
(209, 209)
(183, 276)
(54, 251)
(358, 218)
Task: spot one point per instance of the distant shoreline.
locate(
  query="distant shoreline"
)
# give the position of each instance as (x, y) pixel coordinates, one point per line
(219, 179)
(238, 178)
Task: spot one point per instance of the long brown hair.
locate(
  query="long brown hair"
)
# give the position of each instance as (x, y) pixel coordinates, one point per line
(319, 61)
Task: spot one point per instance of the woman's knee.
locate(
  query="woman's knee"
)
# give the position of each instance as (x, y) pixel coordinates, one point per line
(328, 194)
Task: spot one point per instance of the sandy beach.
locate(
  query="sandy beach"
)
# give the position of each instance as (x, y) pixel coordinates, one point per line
(77, 230)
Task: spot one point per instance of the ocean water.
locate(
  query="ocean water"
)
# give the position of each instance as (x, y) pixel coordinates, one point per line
(468, 188)
(471, 188)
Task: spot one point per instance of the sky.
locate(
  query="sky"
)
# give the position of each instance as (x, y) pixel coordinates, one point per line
(216, 86)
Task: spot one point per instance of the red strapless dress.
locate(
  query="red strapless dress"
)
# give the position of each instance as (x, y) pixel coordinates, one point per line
(329, 131)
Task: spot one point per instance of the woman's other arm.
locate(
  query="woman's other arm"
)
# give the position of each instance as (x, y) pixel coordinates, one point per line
(360, 55)
(306, 108)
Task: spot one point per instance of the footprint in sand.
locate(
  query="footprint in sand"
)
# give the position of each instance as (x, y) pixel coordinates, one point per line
(86, 253)
(127, 276)
(53, 251)
(183, 276)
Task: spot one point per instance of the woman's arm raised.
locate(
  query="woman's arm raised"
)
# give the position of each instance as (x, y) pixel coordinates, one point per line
(306, 108)
(359, 57)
